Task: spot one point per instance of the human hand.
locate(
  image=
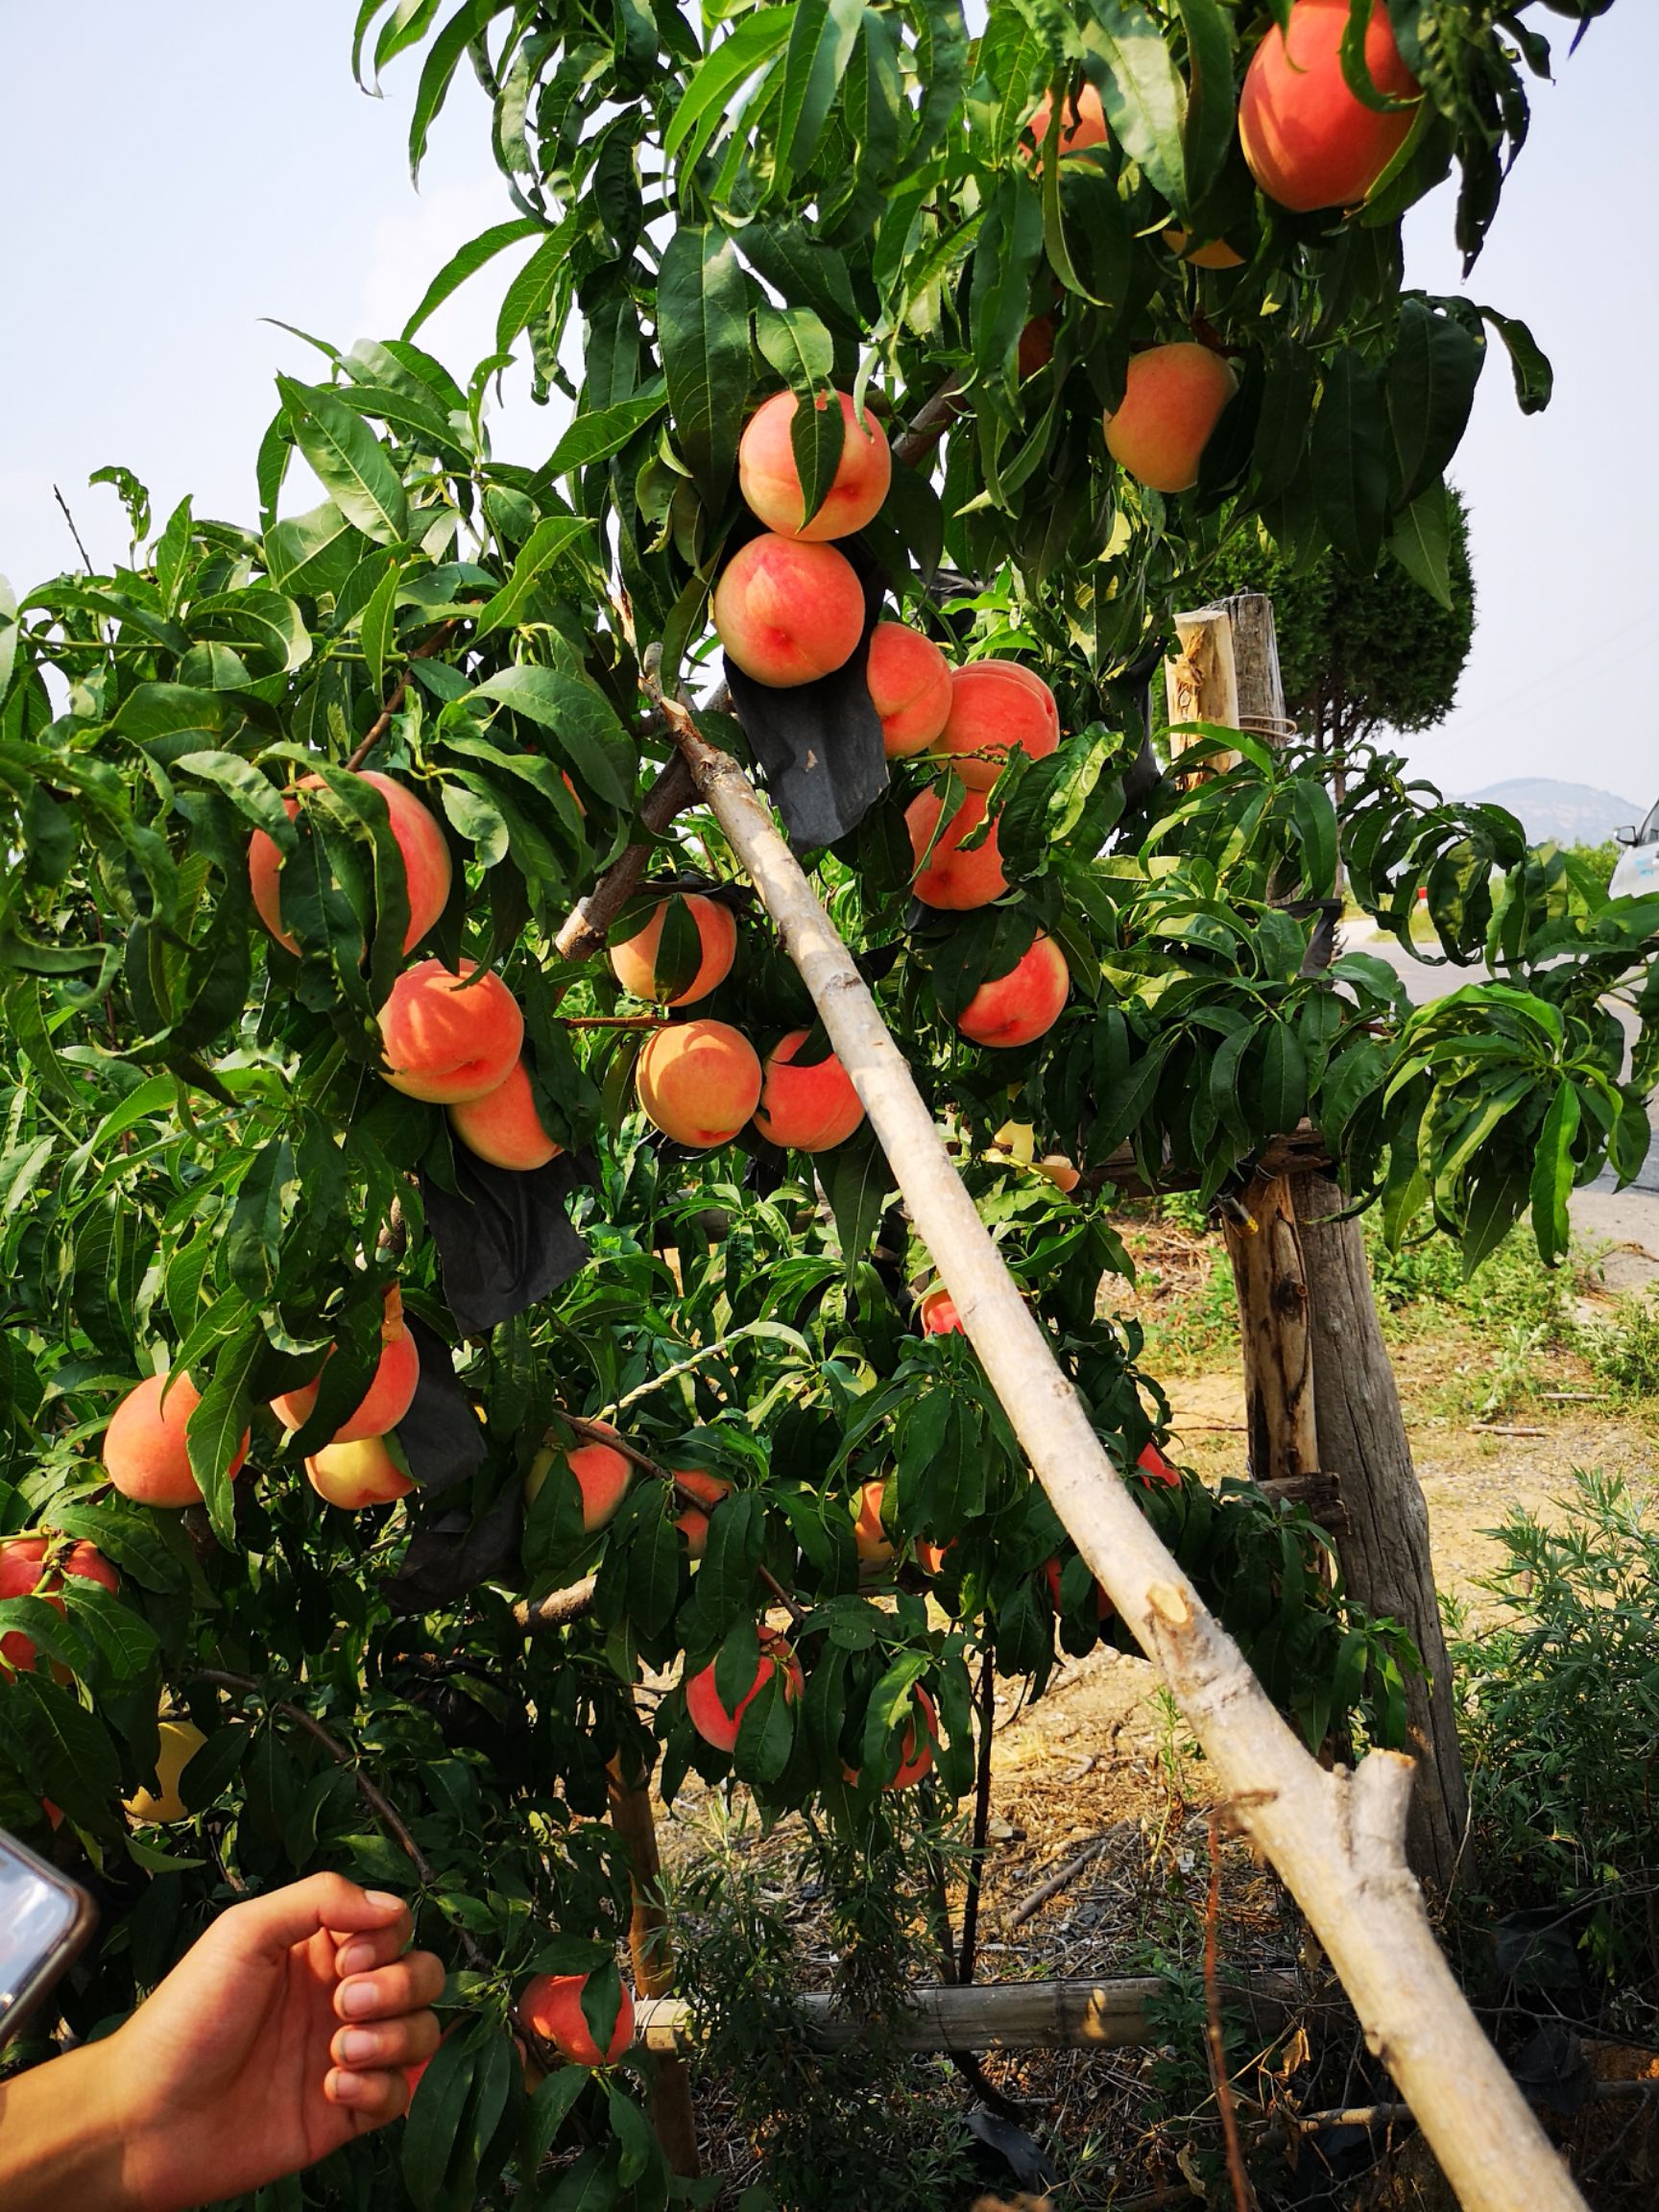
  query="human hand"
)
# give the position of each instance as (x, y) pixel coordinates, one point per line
(281, 2035)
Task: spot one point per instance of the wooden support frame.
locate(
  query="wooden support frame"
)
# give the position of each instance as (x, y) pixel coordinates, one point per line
(1336, 1838)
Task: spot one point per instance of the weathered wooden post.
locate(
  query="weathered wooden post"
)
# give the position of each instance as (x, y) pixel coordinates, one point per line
(1319, 1391)
(673, 2115)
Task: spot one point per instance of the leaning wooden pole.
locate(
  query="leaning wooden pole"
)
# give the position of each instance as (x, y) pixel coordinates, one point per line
(673, 2115)
(1337, 1838)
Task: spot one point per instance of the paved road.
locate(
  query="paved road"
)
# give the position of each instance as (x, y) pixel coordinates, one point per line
(1600, 1211)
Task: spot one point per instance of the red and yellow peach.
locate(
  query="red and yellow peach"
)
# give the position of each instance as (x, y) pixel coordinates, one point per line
(1019, 1007)
(634, 961)
(909, 683)
(419, 840)
(390, 1393)
(712, 1720)
(503, 1128)
(699, 1081)
(551, 2008)
(997, 707)
(1310, 141)
(806, 1109)
(357, 1475)
(602, 1475)
(788, 611)
(146, 1455)
(1173, 399)
(953, 880)
(449, 1035)
(25, 1573)
(771, 481)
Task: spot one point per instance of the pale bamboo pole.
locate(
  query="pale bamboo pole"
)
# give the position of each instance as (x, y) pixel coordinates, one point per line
(1337, 1838)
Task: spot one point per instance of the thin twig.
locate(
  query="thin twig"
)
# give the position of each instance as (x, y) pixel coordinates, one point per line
(981, 1816)
(1031, 1906)
(613, 1020)
(399, 692)
(1243, 2197)
(376, 1799)
(85, 556)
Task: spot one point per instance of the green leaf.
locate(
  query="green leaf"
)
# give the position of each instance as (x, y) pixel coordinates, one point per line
(822, 38)
(254, 795)
(1283, 1081)
(9, 632)
(857, 1179)
(1535, 379)
(552, 538)
(217, 1429)
(67, 1752)
(379, 625)
(579, 718)
(1431, 376)
(467, 261)
(703, 330)
(350, 462)
(1350, 466)
(434, 2122)
(1553, 1175)
(313, 554)
(468, 23)
(1207, 137)
(595, 436)
(530, 293)
(549, 2108)
(707, 101)
(1421, 542)
(1141, 93)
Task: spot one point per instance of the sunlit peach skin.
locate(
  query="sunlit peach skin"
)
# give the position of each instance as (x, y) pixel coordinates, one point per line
(996, 707)
(953, 880)
(909, 680)
(1174, 398)
(634, 960)
(1310, 142)
(788, 612)
(712, 1722)
(146, 1452)
(1020, 1007)
(449, 1035)
(806, 1109)
(503, 1128)
(771, 482)
(699, 1081)
(419, 840)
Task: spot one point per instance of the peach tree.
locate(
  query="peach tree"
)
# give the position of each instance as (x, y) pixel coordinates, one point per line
(446, 1370)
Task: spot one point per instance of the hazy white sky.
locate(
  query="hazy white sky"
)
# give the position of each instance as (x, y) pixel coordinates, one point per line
(172, 176)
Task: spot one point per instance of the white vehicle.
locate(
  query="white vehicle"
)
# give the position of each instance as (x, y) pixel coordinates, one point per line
(1637, 874)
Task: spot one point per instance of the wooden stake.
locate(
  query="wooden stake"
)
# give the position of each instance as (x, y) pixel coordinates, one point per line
(1272, 1285)
(1337, 1838)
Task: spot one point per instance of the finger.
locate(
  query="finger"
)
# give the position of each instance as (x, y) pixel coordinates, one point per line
(362, 1954)
(290, 1916)
(386, 2043)
(405, 1986)
(370, 2098)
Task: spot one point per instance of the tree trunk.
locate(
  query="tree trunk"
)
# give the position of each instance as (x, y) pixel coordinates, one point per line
(673, 2115)
(1319, 1391)
(1382, 1543)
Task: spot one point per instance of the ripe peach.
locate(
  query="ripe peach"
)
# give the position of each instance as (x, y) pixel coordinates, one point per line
(788, 612)
(1056, 1168)
(358, 1474)
(699, 1081)
(145, 1452)
(503, 1127)
(771, 482)
(710, 1719)
(1019, 1007)
(1172, 401)
(23, 1574)
(707, 1490)
(953, 880)
(181, 1741)
(1035, 347)
(1213, 254)
(998, 708)
(551, 2008)
(426, 865)
(910, 686)
(806, 1109)
(930, 1557)
(1051, 1575)
(939, 1314)
(389, 1396)
(915, 1755)
(869, 1537)
(1155, 1468)
(1081, 126)
(633, 962)
(449, 1035)
(1309, 142)
(602, 1476)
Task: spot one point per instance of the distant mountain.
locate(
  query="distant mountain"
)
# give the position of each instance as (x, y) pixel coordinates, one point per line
(1572, 813)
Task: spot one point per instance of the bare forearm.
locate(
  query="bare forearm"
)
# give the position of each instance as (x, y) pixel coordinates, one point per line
(60, 2140)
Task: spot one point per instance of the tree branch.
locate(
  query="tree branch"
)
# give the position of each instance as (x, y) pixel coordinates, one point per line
(379, 1803)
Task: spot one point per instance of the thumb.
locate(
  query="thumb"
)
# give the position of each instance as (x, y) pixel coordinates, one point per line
(322, 1903)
